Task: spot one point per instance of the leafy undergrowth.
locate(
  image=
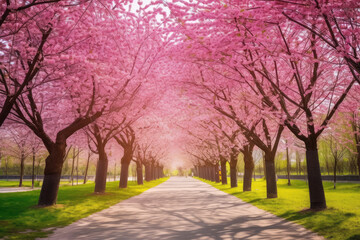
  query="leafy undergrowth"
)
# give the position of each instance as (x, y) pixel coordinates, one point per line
(21, 219)
(340, 221)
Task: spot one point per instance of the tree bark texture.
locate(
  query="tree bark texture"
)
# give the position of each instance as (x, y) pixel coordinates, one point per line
(139, 174)
(101, 171)
(316, 189)
(233, 172)
(248, 168)
(22, 163)
(52, 174)
(223, 172)
(271, 187)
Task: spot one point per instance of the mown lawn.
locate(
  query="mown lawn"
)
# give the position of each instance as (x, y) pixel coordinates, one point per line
(21, 219)
(340, 221)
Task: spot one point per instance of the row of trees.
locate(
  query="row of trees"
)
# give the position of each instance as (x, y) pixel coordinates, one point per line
(80, 72)
(268, 73)
(230, 77)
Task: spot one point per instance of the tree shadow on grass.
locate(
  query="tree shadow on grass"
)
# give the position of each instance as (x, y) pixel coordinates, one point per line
(256, 200)
(354, 237)
(319, 221)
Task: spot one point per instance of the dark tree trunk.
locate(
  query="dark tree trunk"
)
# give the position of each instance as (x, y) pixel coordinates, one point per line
(156, 173)
(139, 174)
(264, 165)
(212, 173)
(316, 189)
(87, 168)
(151, 171)
(335, 168)
(288, 167)
(223, 172)
(115, 172)
(124, 175)
(6, 169)
(72, 167)
(101, 171)
(77, 167)
(52, 174)
(248, 168)
(271, 187)
(33, 169)
(147, 172)
(358, 159)
(233, 172)
(125, 162)
(22, 163)
(217, 179)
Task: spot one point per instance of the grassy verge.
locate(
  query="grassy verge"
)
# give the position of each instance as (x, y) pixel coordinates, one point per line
(21, 219)
(340, 221)
(27, 183)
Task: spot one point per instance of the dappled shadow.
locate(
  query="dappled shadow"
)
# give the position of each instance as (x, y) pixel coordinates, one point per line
(354, 237)
(183, 208)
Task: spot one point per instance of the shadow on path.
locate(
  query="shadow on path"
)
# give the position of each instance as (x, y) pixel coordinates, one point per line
(183, 208)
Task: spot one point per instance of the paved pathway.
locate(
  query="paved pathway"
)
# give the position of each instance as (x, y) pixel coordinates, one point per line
(16, 189)
(183, 208)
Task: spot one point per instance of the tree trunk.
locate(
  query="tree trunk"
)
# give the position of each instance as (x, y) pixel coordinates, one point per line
(212, 173)
(264, 165)
(288, 167)
(139, 174)
(22, 162)
(101, 171)
(223, 172)
(217, 178)
(6, 169)
(87, 168)
(335, 168)
(316, 190)
(77, 167)
(297, 162)
(248, 168)
(52, 174)
(147, 172)
(115, 172)
(33, 169)
(72, 168)
(358, 160)
(271, 187)
(233, 172)
(124, 175)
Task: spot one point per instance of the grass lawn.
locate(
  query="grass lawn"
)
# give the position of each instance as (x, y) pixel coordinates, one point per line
(340, 221)
(27, 183)
(21, 219)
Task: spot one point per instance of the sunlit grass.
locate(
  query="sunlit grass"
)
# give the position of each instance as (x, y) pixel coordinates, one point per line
(340, 221)
(27, 183)
(21, 219)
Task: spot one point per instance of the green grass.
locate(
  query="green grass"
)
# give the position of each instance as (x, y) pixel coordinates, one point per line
(21, 219)
(27, 183)
(340, 221)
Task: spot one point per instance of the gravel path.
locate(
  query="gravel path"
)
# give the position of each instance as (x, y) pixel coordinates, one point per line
(183, 208)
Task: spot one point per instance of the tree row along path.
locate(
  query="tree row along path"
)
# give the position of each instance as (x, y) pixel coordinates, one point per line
(183, 208)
